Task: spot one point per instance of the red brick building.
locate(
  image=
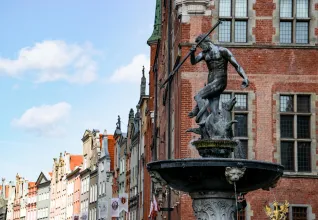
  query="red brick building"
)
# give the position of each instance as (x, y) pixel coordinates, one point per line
(276, 43)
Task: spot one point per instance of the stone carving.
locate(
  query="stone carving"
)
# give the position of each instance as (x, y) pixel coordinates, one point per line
(210, 208)
(156, 178)
(188, 7)
(233, 174)
(238, 151)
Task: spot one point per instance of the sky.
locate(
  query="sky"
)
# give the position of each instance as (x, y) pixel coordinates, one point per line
(66, 66)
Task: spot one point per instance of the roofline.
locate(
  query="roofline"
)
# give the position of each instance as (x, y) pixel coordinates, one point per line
(83, 172)
(73, 172)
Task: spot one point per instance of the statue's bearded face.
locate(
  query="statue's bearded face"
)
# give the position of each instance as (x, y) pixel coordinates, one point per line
(204, 45)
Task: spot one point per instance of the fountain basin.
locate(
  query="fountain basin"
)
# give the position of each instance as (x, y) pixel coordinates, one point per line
(208, 174)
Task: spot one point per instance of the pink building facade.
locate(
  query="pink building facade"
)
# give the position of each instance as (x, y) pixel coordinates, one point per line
(73, 194)
(62, 167)
(77, 195)
(31, 202)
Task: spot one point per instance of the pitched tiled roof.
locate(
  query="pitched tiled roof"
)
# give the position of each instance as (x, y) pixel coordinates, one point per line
(75, 160)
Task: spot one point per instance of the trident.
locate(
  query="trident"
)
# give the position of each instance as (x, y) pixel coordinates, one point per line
(186, 57)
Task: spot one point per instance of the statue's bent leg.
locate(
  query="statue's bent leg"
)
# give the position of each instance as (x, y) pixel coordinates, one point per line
(212, 92)
(198, 106)
(214, 104)
(213, 89)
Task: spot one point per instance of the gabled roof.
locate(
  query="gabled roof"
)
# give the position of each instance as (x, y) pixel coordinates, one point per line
(43, 176)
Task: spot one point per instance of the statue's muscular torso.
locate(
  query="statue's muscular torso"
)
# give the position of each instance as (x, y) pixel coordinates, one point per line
(216, 63)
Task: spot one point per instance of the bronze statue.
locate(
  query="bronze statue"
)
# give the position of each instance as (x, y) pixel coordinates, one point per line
(217, 59)
(214, 123)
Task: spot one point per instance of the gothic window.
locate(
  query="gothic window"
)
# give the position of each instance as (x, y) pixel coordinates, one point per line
(295, 135)
(235, 16)
(294, 21)
(239, 113)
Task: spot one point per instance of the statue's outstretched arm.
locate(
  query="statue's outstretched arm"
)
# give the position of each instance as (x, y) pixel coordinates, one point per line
(229, 56)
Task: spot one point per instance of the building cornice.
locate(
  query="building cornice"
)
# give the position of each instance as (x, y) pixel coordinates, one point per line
(82, 173)
(93, 172)
(71, 174)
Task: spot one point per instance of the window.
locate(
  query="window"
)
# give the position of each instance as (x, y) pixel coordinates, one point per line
(297, 213)
(240, 113)
(123, 165)
(95, 192)
(90, 195)
(295, 145)
(120, 167)
(87, 184)
(101, 167)
(85, 162)
(234, 26)
(82, 186)
(294, 21)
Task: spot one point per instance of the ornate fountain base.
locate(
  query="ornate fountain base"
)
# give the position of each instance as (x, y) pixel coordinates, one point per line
(210, 181)
(214, 205)
(218, 148)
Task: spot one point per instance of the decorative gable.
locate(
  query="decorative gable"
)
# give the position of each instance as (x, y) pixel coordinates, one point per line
(41, 179)
(86, 135)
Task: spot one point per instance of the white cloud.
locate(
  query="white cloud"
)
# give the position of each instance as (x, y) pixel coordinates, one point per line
(51, 61)
(45, 120)
(15, 87)
(132, 71)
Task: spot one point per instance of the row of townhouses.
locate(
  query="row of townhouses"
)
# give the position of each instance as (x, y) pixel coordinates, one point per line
(79, 186)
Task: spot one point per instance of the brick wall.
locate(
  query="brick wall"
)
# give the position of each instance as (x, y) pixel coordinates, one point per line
(271, 69)
(148, 136)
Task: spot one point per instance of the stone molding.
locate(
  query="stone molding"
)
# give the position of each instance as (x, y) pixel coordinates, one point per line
(185, 8)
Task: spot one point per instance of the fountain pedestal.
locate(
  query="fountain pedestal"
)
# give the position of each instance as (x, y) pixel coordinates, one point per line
(210, 181)
(213, 205)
